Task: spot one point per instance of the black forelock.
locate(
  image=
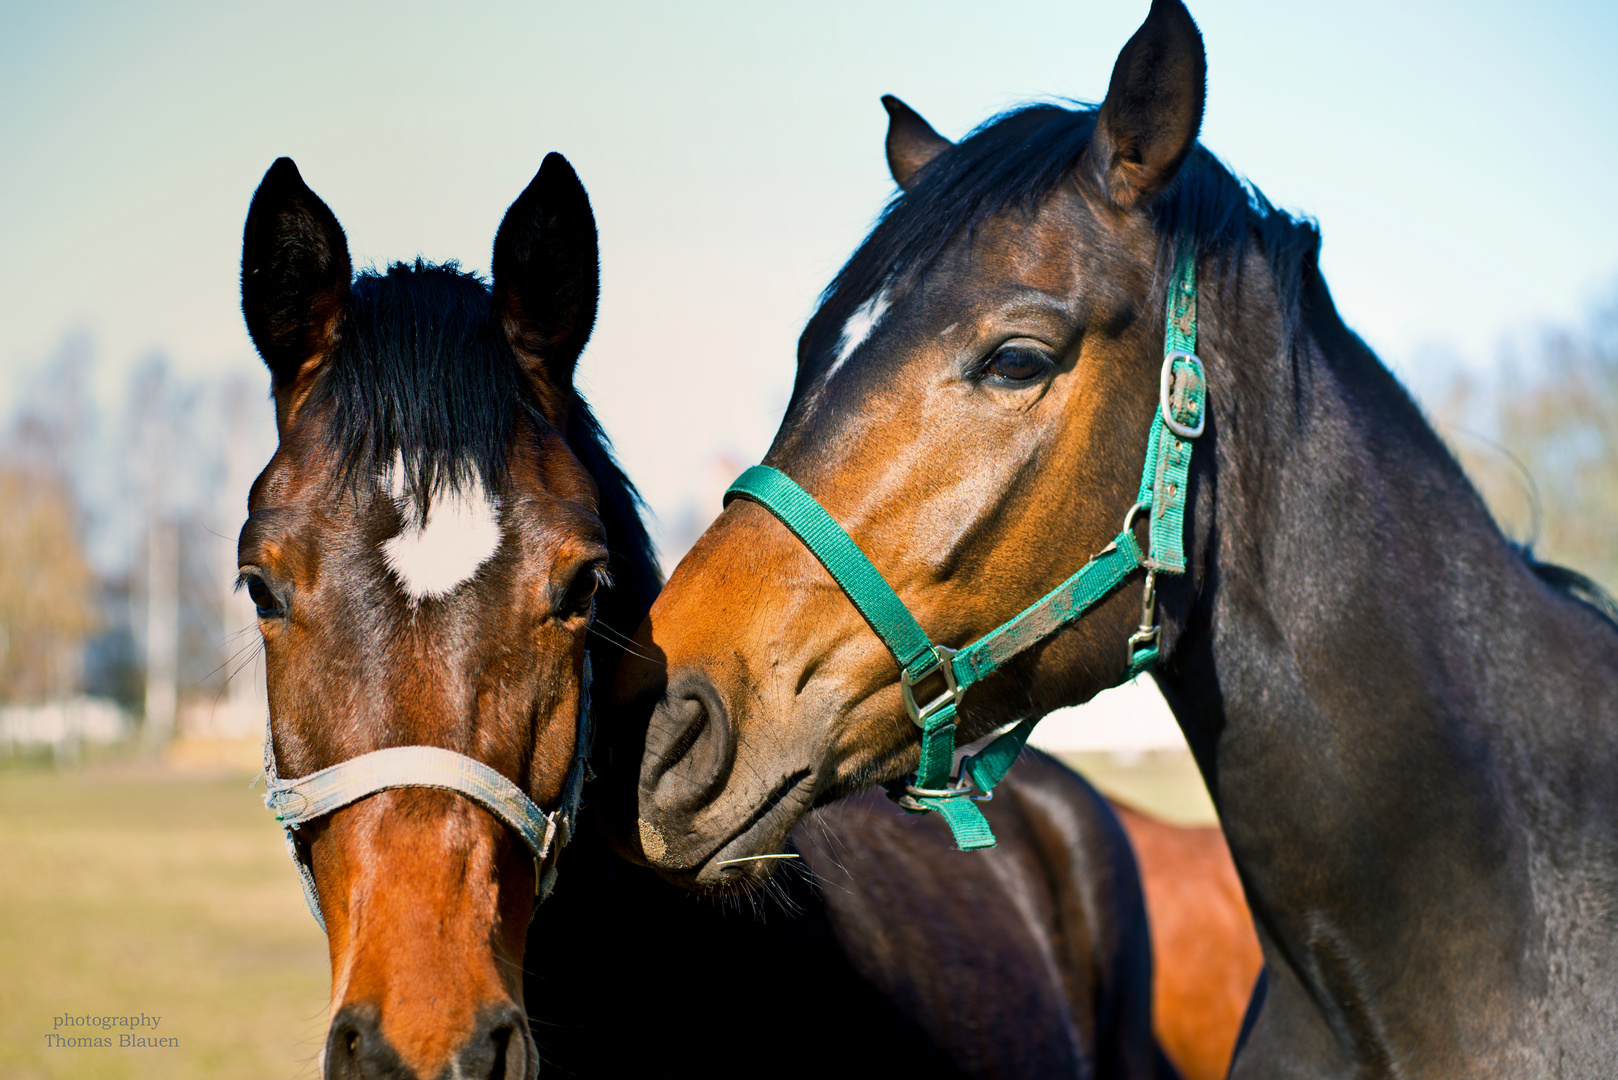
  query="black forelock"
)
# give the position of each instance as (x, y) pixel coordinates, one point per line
(1015, 160)
(423, 370)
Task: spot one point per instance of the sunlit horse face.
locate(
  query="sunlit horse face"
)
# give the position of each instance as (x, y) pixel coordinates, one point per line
(423, 550)
(957, 407)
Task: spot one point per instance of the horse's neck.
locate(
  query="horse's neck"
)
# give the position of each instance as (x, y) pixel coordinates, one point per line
(1393, 713)
(1350, 545)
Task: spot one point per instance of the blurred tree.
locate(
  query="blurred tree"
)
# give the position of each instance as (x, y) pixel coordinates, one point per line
(47, 591)
(1540, 440)
(48, 603)
(1563, 427)
(118, 540)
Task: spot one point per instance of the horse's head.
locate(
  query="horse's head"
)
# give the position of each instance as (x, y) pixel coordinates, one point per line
(424, 551)
(972, 405)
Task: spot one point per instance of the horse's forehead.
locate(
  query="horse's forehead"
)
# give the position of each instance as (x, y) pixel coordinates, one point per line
(1060, 255)
(428, 547)
(442, 544)
(1052, 246)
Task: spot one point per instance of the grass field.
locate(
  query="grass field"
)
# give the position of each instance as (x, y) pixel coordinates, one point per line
(137, 890)
(130, 889)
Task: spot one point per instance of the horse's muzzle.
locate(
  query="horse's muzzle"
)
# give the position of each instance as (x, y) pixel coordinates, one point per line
(498, 1048)
(700, 823)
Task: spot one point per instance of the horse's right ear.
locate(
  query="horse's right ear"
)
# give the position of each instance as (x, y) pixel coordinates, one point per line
(295, 278)
(547, 278)
(1149, 121)
(912, 142)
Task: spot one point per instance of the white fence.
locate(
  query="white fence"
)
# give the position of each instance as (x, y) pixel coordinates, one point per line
(63, 724)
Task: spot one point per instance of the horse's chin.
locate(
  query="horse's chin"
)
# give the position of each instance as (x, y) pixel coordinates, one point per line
(747, 858)
(740, 880)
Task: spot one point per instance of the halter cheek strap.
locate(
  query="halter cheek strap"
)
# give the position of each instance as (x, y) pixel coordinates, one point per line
(305, 798)
(1179, 419)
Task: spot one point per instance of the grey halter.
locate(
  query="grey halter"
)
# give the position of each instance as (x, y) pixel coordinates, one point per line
(305, 798)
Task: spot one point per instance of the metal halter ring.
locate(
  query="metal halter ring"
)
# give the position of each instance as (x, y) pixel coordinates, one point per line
(1166, 384)
(961, 785)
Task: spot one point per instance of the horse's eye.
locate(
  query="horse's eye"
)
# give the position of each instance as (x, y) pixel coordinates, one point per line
(1018, 364)
(263, 599)
(580, 591)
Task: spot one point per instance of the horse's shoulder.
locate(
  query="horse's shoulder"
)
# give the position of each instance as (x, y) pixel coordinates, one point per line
(1063, 813)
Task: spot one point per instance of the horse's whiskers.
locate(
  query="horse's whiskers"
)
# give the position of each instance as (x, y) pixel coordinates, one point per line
(756, 858)
(627, 644)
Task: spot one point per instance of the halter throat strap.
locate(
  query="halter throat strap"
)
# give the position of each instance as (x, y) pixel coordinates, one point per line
(1178, 420)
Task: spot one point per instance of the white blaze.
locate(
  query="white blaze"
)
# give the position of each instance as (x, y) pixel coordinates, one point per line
(461, 532)
(865, 319)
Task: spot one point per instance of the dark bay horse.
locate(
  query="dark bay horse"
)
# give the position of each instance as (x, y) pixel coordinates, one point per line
(425, 550)
(1409, 727)
(881, 951)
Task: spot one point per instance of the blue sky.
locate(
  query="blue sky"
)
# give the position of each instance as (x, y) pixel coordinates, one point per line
(1459, 158)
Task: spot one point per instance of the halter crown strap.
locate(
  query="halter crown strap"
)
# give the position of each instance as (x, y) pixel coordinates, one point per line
(1181, 413)
(1177, 421)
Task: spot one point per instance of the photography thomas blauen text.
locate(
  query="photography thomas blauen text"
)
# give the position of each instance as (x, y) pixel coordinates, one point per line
(138, 1031)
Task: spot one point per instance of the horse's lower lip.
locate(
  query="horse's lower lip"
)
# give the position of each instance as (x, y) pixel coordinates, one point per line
(754, 849)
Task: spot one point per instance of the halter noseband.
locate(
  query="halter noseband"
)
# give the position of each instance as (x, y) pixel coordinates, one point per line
(300, 800)
(1179, 419)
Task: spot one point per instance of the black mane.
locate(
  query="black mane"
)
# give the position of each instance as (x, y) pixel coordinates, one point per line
(424, 370)
(1579, 586)
(1015, 160)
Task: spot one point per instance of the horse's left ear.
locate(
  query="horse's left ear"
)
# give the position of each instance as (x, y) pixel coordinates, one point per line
(912, 142)
(546, 280)
(1153, 111)
(295, 280)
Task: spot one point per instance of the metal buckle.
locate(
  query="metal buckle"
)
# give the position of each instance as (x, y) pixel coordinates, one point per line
(1141, 639)
(920, 714)
(281, 805)
(1166, 383)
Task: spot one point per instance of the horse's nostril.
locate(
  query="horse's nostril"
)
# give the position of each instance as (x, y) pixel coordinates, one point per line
(690, 717)
(356, 1048)
(690, 745)
(498, 1049)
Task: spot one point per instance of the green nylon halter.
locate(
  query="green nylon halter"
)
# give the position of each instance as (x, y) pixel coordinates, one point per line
(1179, 419)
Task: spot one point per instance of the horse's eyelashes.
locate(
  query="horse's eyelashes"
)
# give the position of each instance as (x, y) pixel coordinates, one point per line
(581, 591)
(1018, 364)
(269, 607)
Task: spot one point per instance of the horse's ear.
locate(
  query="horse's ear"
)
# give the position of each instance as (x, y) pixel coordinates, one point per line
(295, 279)
(912, 142)
(547, 278)
(1153, 111)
